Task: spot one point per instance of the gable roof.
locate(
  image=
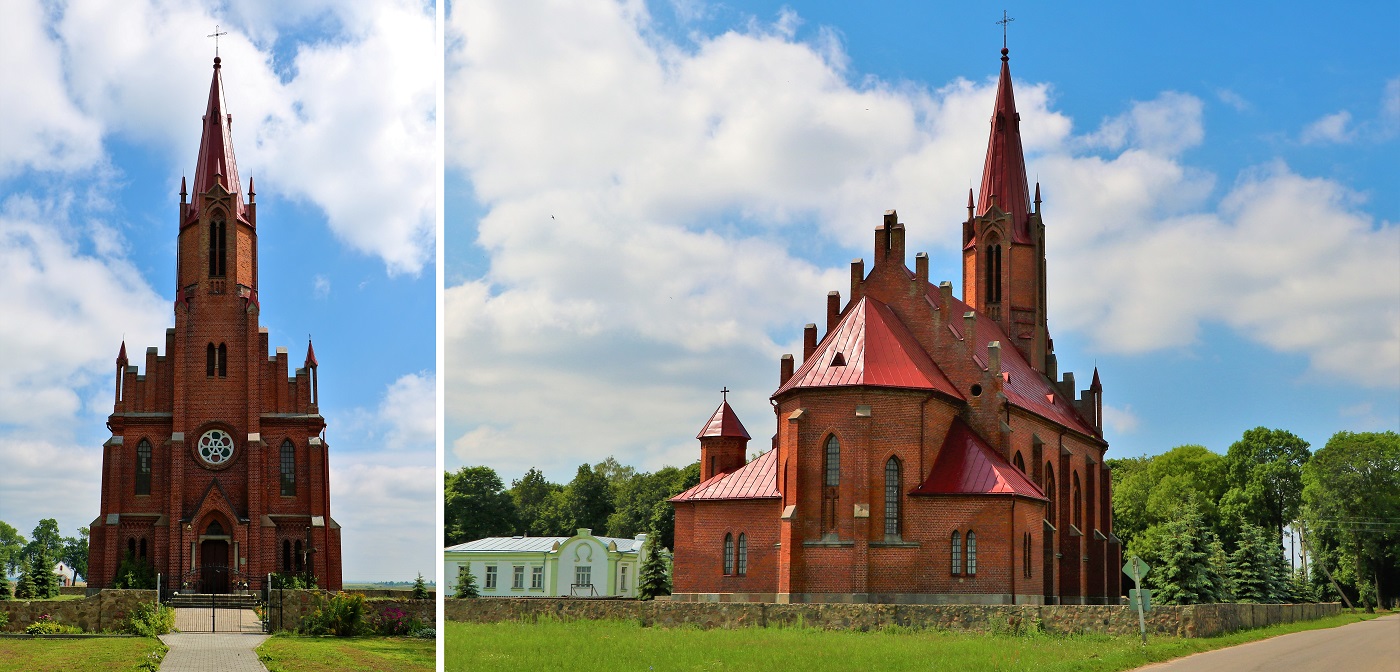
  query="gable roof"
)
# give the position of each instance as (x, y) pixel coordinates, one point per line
(870, 346)
(534, 544)
(723, 423)
(966, 465)
(755, 480)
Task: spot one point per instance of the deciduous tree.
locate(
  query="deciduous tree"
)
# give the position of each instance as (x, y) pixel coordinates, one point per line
(476, 505)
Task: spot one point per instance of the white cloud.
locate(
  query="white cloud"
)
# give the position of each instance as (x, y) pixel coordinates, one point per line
(652, 209)
(65, 311)
(1234, 100)
(320, 286)
(1166, 126)
(409, 410)
(1335, 127)
(347, 124)
(387, 516)
(47, 131)
(1120, 420)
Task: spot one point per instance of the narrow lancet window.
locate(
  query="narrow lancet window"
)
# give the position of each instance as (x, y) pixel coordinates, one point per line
(892, 499)
(728, 554)
(143, 467)
(289, 472)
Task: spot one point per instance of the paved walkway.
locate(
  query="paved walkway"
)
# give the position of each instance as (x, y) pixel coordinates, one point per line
(212, 652)
(1358, 647)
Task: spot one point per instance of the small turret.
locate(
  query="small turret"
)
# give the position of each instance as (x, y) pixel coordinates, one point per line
(723, 441)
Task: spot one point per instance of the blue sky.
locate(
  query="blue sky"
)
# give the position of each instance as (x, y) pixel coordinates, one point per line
(334, 114)
(646, 202)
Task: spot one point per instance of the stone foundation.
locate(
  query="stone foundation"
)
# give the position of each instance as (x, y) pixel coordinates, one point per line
(95, 613)
(1203, 620)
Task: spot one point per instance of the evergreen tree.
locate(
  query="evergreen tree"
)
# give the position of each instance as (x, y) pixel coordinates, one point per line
(466, 583)
(4, 586)
(43, 582)
(1186, 576)
(420, 589)
(24, 588)
(1250, 566)
(655, 578)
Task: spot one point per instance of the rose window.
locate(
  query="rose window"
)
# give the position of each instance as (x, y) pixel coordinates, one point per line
(216, 447)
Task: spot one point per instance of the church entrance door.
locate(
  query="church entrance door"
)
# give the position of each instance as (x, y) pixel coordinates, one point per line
(213, 565)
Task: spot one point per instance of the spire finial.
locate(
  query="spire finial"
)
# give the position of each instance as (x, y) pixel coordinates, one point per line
(724, 393)
(216, 35)
(1004, 20)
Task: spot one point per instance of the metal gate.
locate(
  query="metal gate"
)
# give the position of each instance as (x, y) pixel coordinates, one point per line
(217, 599)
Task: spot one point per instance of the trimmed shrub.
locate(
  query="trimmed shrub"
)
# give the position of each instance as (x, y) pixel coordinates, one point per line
(342, 615)
(149, 619)
(394, 622)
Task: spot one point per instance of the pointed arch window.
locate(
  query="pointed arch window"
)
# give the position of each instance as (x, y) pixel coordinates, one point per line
(289, 469)
(286, 555)
(728, 554)
(1077, 502)
(1019, 462)
(971, 553)
(143, 467)
(993, 277)
(223, 360)
(957, 553)
(211, 360)
(143, 548)
(1026, 555)
(131, 547)
(832, 481)
(300, 557)
(217, 247)
(892, 499)
(741, 560)
(1051, 493)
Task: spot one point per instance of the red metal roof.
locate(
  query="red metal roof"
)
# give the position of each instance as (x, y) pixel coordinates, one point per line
(966, 465)
(1004, 173)
(216, 149)
(310, 355)
(755, 480)
(723, 423)
(121, 355)
(870, 346)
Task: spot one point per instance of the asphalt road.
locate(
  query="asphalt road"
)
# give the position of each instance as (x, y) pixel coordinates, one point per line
(1368, 646)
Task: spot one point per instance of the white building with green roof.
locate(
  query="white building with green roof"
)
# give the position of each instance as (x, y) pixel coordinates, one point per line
(579, 566)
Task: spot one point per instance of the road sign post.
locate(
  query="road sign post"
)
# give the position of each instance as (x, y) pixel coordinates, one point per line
(1137, 569)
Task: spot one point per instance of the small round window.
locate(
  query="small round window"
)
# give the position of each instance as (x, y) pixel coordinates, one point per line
(215, 447)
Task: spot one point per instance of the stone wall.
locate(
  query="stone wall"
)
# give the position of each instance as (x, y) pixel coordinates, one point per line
(1181, 621)
(294, 605)
(95, 613)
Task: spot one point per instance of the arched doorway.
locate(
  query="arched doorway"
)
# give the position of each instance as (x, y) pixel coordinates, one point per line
(214, 559)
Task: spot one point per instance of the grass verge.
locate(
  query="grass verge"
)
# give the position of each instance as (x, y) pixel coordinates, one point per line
(581, 644)
(294, 653)
(80, 655)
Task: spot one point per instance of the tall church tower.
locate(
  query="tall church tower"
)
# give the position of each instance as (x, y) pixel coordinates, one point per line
(216, 473)
(1004, 238)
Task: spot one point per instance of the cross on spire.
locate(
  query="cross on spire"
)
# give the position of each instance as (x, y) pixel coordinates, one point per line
(1004, 20)
(216, 35)
(725, 393)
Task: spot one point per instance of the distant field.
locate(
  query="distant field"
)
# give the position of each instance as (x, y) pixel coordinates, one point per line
(381, 586)
(582, 644)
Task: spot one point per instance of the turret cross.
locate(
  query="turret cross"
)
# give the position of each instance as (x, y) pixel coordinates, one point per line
(1004, 20)
(216, 35)
(725, 393)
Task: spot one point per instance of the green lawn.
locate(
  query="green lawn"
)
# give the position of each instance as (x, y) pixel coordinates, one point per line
(79, 655)
(582, 644)
(294, 653)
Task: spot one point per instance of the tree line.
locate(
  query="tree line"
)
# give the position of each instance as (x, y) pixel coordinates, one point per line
(609, 498)
(1211, 525)
(33, 560)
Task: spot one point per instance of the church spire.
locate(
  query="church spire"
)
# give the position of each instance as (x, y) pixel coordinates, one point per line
(216, 164)
(1004, 173)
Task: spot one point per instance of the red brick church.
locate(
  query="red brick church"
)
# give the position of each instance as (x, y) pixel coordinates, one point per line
(216, 473)
(927, 448)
